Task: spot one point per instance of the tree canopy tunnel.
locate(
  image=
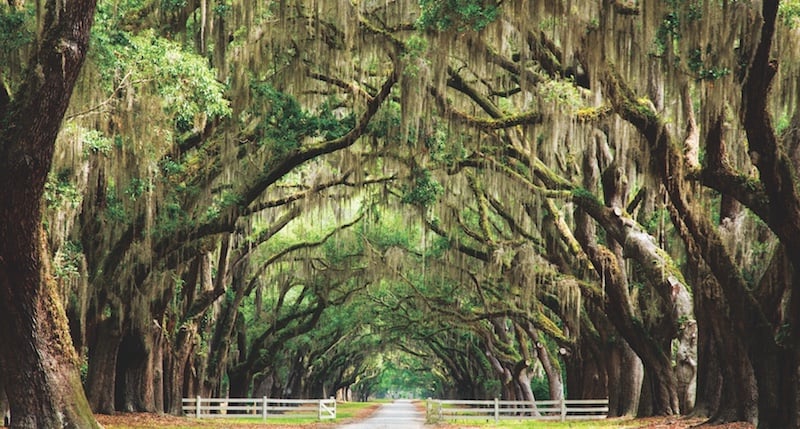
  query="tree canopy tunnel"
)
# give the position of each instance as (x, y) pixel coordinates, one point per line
(297, 198)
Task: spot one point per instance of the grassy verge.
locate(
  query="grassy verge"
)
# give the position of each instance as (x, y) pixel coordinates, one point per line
(344, 412)
(530, 424)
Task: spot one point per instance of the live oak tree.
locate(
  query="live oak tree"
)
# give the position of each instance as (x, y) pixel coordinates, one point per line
(39, 365)
(609, 188)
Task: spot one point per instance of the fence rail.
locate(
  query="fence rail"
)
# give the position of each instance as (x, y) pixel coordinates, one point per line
(322, 409)
(569, 409)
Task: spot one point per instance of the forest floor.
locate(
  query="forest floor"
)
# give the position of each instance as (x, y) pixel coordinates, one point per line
(156, 421)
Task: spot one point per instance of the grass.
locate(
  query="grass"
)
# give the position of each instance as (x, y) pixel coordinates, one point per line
(530, 424)
(344, 411)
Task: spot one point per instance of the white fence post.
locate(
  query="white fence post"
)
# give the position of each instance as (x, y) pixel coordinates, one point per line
(428, 409)
(197, 407)
(496, 410)
(264, 408)
(563, 409)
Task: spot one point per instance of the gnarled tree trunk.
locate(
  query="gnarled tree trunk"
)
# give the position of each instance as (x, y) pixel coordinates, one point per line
(40, 366)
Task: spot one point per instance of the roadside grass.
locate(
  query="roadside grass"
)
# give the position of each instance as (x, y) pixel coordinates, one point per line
(617, 423)
(344, 411)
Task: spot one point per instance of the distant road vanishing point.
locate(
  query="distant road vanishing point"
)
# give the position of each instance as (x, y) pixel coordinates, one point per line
(400, 414)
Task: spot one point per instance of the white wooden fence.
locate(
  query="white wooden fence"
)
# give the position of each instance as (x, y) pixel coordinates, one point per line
(322, 409)
(569, 409)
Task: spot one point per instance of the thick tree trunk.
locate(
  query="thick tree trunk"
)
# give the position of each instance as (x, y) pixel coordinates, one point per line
(586, 372)
(625, 379)
(138, 386)
(175, 362)
(3, 405)
(40, 366)
(686, 367)
(726, 386)
(101, 378)
(551, 368)
(660, 380)
(130, 359)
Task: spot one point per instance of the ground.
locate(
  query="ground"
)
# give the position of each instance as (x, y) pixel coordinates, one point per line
(155, 421)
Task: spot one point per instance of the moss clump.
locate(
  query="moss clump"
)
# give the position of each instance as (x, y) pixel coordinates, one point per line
(592, 114)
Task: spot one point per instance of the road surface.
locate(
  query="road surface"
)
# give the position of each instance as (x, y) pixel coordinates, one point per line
(400, 414)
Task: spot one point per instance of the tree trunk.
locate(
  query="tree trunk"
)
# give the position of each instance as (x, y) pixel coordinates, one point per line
(619, 307)
(551, 368)
(40, 366)
(175, 362)
(587, 376)
(3, 404)
(686, 366)
(625, 379)
(726, 386)
(101, 378)
(137, 369)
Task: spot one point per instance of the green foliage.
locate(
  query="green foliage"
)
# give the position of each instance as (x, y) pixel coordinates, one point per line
(219, 204)
(656, 221)
(668, 33)
(170, 218)
(789, 12)
(138, 187)
(17, 28)
(697, 66)
(783, 123)
(668, 37)
(94, 142)
(584, 194)
(286, 124)
(171, 167)
(115, 209)
(413, 57)
(386, 236)
(344, 247)
(424, 189)
(541, 389)
(438, 247)
(173, 5)
(330, 126)
(386, 123)
(561, 93)
(406, 376)
(67, 260)
(186, 87)
(443, 146)
(461, 15)
(60, 190)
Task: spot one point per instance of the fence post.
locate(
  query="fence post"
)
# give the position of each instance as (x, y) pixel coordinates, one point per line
(496, 410)
(197, 407)
(440, 409)
(563, 409)
(428, 409)
(319, 411)
(264, 408)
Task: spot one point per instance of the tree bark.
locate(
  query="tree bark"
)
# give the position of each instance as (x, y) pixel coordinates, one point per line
(40, 366)
(176, 359)
(3, 404)
(101, 378)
